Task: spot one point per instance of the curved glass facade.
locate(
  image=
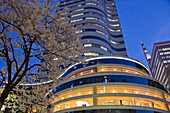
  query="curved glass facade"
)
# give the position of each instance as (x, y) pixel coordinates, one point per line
(116, 83)
(109, 79)
(111, 89)
(107, 61)
(111, 101)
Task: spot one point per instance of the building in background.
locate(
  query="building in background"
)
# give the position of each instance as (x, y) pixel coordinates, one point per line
(159, 62)
(98, 23)
(109, 82)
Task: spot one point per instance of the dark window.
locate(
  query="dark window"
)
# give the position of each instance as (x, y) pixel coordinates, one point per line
(110, 78)
(99, 79)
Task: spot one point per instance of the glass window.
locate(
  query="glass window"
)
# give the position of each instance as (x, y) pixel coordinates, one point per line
(74, 103)
(91, 54)
(111, 78)
(110, 100)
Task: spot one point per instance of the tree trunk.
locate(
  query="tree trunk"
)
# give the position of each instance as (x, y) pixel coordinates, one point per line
(3, 96)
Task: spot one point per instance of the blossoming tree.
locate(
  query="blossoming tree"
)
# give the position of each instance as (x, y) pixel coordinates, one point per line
(34, 35)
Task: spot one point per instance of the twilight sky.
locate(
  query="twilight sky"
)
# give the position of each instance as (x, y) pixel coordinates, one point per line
(143, 20)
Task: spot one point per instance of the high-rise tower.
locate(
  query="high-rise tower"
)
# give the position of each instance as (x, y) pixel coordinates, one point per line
(110, 82)
(97, 21)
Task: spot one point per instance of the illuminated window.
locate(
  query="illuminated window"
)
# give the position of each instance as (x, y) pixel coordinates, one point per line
(77, 15)
(120, 69)
(110, 3)
(87, 45)
(104, 48)
(79, 31)
(73, 104)
(112, 20)
(91, 18)
(114, 25)
(109, 15)
(106, 69)
(109, 7)
(91, 4)
(114, 30)
(94, 24)
(100, 6)
(76, 20)
(113, 42)
(91, 54)
(100, 32)
(109, 11)
(77, 74)
(94, 19)
(79, 25)
(111, 100)
(78, 10)
(111, 89)
(165, 49)
(165, 53)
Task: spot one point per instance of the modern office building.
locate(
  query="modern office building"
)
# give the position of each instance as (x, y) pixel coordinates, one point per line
(109, 82)
(98, 23)
(159, 62)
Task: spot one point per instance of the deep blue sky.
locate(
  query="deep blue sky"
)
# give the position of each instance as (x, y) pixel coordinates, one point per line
(143, 20)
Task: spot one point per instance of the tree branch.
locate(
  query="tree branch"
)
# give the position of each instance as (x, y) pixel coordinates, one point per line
(2, 79)
(13, 54)
(26, 64)
(8, 61)
(34, 66)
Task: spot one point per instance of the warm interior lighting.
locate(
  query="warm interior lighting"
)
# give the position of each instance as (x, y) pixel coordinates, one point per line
(112, 100)
(120, 69)
(82, 103)
(110, 89)
(106, 69)
(87, 45)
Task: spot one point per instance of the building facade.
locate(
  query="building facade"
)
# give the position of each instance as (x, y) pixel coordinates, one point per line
(109, 81)
(97, 21)
(110, 84)
(159, 62)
